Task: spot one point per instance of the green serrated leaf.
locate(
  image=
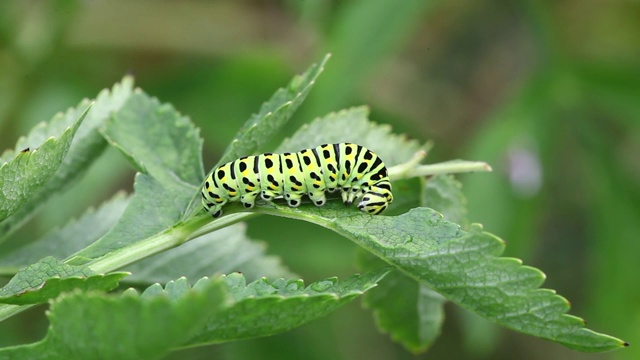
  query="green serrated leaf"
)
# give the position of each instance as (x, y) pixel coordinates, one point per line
(221, 252)
(127, 326)
(273, 115)
(264, 307)
(49, 277)
(444, 194)
(157, 139)
(465, 267)
(86, 146)
(53, 287)
(23, 174)
(408, 310)
(73, 237)
(352, 125)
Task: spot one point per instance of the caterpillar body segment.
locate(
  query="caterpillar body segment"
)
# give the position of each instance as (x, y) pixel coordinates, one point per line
(357, 172)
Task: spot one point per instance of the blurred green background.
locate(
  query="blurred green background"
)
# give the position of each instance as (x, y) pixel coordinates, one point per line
(548, 92)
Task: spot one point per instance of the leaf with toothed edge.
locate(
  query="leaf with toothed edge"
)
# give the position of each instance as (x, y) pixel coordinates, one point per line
(267, 307)
(125, 326)
(273, 115)
(463, 266)
(86, 146)
(178, 315)
(23, 174)
(48, 278)
(330, 129)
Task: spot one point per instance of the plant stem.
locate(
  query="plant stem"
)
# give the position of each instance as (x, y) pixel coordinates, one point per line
(412, 168)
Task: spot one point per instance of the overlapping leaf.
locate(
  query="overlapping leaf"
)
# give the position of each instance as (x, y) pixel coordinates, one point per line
(353, 125)
(39, 156)
(86, 146)
(266, 307)
(463, 266)
(273, 115)
(49, 277)
(127, 326)
(213, 311)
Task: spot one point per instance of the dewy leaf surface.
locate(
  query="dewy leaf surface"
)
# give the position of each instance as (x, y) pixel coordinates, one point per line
(463, 266)
(273, 115)
(265, 307)
(23, 174)
(127, 326)
(49, 277)
(220, 252)
(86, 146)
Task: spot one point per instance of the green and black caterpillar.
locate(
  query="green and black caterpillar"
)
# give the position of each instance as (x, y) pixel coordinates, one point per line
(356, 171)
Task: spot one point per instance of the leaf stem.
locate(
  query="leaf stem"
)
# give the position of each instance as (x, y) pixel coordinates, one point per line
(412, 168)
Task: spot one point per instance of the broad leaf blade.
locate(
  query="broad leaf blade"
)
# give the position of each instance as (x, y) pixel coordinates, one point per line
(86, 146)
(264, 307)
(273, 115)
(166, 147)
(409, 311)
(23, 174)
(130, 326)
(463, 266)
(157, 139)
(466, 268)
(48, 278)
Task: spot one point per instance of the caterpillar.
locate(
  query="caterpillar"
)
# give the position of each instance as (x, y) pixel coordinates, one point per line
(357, 172)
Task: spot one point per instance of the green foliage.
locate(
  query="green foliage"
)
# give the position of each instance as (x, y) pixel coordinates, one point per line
(159, 234)
(80, 151)
(48, 278)
(266, 307)
(273, 115)
(127, 326)
(220, 252)
(26, 170)
(213, 311)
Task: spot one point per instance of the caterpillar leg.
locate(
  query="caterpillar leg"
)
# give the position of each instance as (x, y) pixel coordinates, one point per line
(249, 200)
(318, 198)
(293, 199)
(268, 195)
(214, 209)
(213, 204)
